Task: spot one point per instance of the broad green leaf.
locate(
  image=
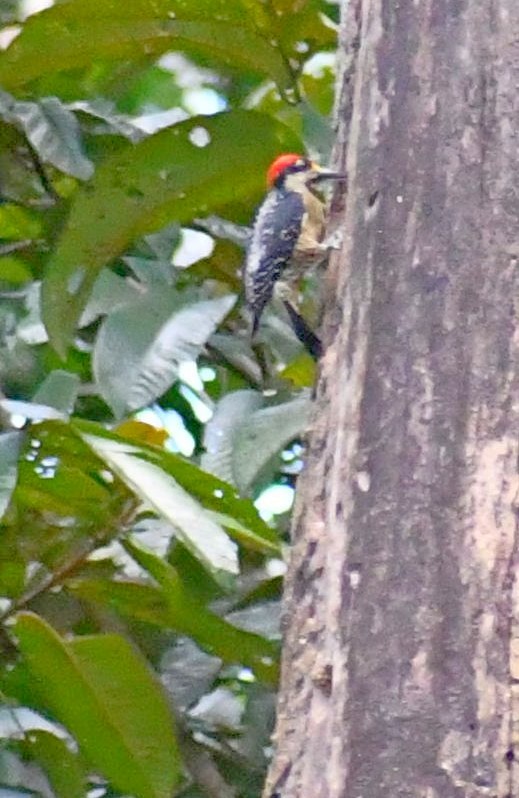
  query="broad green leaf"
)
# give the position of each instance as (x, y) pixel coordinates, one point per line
(256, 650)
(10, 443)
(104, 693)
(134, 364)
(147, 185)
(61, 474)
(151, 270)
(52, 130)
(213, 493)
(78, 32)
(195, 526)
(63, 490)
(264, 434)
(59, 390)
(242, 436)
(164, 242)
(64, 768)
(173, 607)
(221, 430)
(110, 291)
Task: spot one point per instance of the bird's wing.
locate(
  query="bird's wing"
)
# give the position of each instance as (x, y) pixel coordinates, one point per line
(276, 229)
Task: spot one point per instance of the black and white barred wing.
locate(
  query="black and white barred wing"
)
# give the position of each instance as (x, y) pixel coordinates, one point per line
(274, 236)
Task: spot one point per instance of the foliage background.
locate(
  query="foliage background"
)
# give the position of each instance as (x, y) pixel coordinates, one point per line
(141, 432)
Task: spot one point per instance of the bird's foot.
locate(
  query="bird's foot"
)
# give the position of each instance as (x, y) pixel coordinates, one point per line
(334, 240)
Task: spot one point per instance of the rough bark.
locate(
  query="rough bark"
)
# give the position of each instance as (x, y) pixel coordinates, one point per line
(401, 660)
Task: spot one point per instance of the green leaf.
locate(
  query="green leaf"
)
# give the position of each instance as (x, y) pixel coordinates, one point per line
(78, 32)
(195, 527)
(212, 632)
(220, 431)
(110, 291)
(173, 607)
(134, 364)
(59, 390)
(64, 769)
(145, 186)
(103, 691)
(10, 443)
(242, 437)
(52, 130)
(264, 434)
(76, 487)
(213, 493)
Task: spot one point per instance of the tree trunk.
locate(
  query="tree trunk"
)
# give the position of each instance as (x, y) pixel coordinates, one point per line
(401, 660)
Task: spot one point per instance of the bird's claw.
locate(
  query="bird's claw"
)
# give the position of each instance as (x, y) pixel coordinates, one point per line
(334, 240)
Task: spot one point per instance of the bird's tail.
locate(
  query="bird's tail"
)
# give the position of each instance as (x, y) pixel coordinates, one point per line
(307, 336)
(254, 325)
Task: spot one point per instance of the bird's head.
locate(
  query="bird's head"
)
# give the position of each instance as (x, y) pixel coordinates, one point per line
(292, 168)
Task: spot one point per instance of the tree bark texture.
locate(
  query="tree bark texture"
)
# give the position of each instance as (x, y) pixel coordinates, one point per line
(401, 661)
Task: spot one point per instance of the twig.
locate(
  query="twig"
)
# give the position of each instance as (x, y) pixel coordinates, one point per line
(73, 564)
(42, 174)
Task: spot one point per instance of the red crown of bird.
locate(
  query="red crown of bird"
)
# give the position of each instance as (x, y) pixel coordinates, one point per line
(279, 165)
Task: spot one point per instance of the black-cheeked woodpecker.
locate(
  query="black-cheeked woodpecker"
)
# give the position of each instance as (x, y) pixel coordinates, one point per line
(288, 238)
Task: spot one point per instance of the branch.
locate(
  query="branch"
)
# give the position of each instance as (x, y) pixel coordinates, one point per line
(75, 562)
(42, 174)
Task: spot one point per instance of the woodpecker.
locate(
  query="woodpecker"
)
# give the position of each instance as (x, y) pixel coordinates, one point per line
(287, 235)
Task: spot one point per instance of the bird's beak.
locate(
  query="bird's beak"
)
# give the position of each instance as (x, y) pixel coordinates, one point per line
(320, 174)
